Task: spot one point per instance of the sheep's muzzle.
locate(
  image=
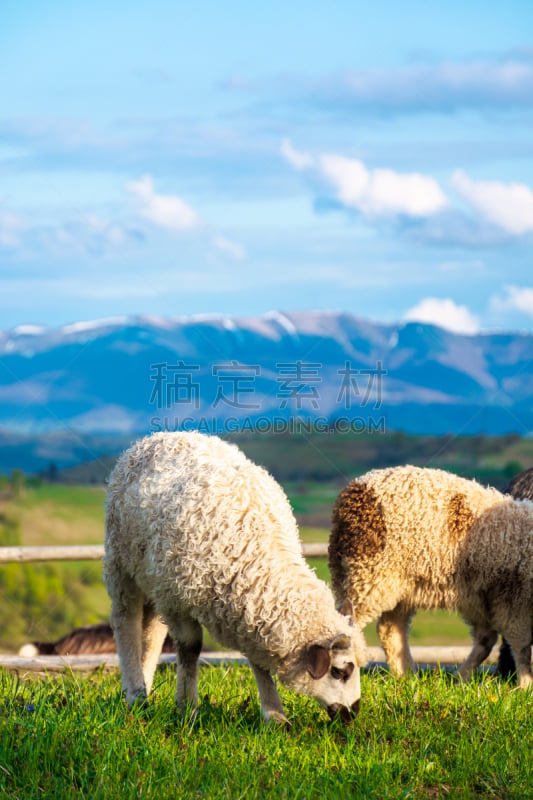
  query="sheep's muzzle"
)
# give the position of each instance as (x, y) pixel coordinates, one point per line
(346, 714)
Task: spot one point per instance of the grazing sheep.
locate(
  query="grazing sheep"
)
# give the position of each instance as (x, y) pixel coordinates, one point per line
(196, 534)
(521, 488)
(85, 640)
(406, 538)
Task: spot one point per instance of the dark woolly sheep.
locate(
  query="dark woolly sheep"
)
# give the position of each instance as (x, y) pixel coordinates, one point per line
(85, 640)
(521, 487)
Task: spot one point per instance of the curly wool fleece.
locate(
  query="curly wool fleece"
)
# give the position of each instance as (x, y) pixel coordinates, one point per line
(406, 537)
(202, 535)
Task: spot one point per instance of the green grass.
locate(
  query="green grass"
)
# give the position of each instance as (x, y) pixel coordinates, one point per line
(57, 514)
(422, 737)
(88, 500)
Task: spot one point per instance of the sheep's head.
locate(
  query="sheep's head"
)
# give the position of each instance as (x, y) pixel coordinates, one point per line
(330, 671)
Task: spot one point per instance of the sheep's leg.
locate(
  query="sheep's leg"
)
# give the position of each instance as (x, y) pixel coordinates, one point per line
(506, 664)
(484, 641)
(522, 652)
(393, 630)
(187, 636)
(271, 707)
(126, 619)
(154, 632)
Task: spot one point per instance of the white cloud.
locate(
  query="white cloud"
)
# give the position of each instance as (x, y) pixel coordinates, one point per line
(382, 192)
(516, 299)
(232, 249)
(348, 177)
(82, 235)
(507, 205)
(373, 192)
(165, 211)
(500, 208)
(445, 313)
(296, 158)
(170, 211)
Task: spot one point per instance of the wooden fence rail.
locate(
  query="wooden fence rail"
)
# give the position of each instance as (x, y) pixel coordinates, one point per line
(425, 657)
(27, 555)
(95, 552)
(46, 664)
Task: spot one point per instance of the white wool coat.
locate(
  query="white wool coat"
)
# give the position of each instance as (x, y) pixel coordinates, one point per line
(202, 529)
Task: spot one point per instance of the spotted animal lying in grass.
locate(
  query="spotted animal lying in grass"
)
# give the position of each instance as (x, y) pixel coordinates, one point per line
(86, 640)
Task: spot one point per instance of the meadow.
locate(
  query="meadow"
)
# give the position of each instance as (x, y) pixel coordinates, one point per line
(421, 737)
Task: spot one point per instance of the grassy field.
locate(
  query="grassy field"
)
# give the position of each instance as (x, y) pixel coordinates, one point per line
(423, 737)
(53, 514)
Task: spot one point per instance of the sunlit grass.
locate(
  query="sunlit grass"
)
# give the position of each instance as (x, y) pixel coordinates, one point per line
(422, 737)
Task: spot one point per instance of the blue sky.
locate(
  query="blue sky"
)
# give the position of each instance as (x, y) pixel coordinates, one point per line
(170, 158)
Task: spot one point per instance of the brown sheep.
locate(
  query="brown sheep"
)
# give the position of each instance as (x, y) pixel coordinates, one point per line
(406, 538)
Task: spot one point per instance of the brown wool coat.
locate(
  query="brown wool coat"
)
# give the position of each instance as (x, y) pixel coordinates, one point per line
(406, 538)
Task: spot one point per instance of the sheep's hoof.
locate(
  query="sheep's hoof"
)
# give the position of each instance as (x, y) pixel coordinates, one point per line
(525, 681)
(137, 699)
(275, 719)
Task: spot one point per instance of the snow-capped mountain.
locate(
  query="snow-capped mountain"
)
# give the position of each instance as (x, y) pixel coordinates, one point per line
(129, 375)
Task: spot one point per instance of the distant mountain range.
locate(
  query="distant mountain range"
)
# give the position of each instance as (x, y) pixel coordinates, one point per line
(127, 376)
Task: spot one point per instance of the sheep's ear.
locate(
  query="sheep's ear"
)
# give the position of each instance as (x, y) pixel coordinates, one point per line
(347, 609)
(317, 661)
(340, 642)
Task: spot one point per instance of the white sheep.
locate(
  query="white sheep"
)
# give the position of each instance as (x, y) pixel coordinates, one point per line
(196, 534)
(406, 538)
